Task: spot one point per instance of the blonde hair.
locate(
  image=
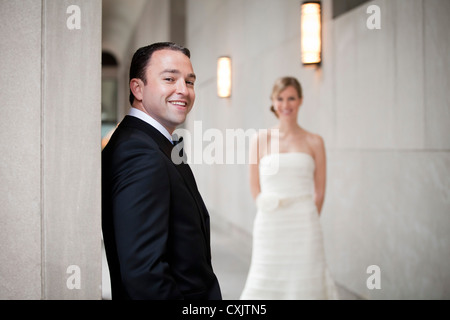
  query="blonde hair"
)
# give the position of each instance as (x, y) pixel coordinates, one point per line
(283, 83)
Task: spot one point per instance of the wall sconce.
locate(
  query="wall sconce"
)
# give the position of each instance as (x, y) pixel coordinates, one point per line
(224, 77)
(311, 33)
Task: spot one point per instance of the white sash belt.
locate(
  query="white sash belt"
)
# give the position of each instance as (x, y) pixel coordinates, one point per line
(271, 201)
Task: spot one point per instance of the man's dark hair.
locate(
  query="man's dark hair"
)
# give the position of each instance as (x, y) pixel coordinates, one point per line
(141, 59)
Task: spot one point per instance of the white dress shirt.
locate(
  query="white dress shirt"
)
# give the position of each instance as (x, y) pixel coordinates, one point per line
(145, 117)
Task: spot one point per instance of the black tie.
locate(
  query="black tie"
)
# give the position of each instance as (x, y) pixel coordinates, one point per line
(176, 140)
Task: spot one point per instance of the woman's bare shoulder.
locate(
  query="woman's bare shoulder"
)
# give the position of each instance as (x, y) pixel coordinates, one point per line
(314, 140)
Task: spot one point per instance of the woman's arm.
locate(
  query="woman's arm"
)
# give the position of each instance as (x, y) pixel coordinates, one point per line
(255, 188)
(320, 173)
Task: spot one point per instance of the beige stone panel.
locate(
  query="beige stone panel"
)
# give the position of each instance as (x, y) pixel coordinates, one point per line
(346, 84)
(20, 150)
(409, 108)
(368, 82)
(437, 74)
(71, 151)
(393, 209)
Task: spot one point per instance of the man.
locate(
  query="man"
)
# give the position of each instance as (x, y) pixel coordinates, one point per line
(155, 224)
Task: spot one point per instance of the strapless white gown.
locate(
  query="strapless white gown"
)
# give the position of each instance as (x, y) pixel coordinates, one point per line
(288, 259)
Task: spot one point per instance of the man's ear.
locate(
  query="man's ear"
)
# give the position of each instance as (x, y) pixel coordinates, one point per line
(137, 88)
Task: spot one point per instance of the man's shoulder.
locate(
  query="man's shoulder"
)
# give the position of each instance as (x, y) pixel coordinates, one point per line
(129, 140)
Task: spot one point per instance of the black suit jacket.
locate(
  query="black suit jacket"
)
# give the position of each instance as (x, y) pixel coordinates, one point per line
(155, 224)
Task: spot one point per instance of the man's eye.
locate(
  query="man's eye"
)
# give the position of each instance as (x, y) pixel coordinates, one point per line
(191, 83)
(169, 79)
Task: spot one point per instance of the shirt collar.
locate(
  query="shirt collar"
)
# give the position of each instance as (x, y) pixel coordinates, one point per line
(145, 117)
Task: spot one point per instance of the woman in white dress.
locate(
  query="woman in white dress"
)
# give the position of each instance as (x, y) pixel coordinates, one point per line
(287, 181)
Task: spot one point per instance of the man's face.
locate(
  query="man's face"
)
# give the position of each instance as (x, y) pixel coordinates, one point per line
(169, 93)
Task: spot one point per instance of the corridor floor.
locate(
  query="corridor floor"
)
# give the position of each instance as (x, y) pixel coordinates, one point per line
(231, 261)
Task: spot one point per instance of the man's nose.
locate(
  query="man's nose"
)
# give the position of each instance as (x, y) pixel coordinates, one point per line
(181, 87)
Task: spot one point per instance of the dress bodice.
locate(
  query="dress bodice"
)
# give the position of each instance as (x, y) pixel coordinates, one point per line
(287, 174)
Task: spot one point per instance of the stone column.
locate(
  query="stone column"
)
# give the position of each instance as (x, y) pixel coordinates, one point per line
(50, 236)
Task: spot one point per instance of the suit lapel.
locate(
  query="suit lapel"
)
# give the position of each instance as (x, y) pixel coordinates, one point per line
(183, 168)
